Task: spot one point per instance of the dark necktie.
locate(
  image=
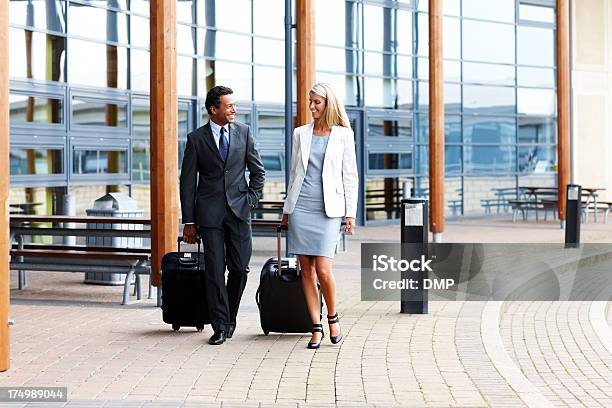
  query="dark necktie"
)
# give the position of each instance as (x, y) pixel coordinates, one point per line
(223, 144)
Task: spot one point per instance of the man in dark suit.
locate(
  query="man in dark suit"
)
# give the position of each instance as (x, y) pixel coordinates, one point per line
(218, 205)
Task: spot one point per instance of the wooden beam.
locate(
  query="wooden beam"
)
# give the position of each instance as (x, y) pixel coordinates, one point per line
(164, 142)
(563, 103)
(436, 119)
(4, 192)
(305, 59)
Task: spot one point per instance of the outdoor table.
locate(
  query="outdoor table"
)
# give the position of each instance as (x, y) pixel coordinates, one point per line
(531, 195)
(532, 191)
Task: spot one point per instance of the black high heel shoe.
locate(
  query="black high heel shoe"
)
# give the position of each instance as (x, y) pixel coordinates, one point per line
(333, 320)
(316, 328)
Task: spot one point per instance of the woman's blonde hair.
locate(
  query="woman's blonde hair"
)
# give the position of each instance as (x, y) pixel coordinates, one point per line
(334, 114)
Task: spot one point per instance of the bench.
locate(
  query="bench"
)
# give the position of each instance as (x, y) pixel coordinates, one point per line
(501, 201)
(604, 206)
(586, 207)
(523, 206)
(261, 227)
(266, 227)
(265, 207)
(549, 205)
(503, 195)
(455, 206)
(488, 204)
(132, 262)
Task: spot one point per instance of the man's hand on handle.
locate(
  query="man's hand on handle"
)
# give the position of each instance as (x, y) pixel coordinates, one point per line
(190, 232)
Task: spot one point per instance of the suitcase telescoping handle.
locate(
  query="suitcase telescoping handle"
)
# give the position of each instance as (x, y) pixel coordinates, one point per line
(178, 245)
(279, 234)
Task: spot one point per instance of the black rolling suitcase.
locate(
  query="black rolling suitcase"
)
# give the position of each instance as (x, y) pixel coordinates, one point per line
(280, 297)
(183, 289)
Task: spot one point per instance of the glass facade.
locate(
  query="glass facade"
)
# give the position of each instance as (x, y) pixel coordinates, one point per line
(79, 103)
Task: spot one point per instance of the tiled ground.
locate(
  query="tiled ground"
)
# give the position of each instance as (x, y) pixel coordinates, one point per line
(75, 335)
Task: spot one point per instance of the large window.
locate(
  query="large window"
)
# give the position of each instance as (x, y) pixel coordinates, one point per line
(270, 139)
(97, 23)
(42, 15)
(46, 59)
(488, 42)
(389, 149)
(97, 64)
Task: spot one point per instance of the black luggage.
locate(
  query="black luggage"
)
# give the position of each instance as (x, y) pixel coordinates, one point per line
(280, 297)
(184, 289)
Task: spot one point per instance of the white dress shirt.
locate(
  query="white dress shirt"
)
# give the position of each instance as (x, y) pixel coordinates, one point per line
(216, 131)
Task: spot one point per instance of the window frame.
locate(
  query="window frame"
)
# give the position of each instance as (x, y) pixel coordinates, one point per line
(104, 96)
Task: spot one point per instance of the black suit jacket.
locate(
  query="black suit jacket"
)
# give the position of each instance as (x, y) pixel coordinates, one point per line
(203, 201)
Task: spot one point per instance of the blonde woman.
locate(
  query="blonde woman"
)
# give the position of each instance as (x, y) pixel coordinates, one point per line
(322, 190)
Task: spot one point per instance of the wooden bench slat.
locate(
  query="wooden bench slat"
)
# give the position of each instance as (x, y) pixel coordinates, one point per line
(79, 219)
(78, 254)
(58, 247)
(80, 232)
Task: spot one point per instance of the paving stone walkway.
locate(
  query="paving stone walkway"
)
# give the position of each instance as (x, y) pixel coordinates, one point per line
(461, 354)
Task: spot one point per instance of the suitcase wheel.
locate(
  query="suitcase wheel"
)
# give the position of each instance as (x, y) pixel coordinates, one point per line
(176, 327)
(266, 332)
(200, 328)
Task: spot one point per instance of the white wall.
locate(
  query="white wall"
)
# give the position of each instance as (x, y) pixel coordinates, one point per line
(592, 94)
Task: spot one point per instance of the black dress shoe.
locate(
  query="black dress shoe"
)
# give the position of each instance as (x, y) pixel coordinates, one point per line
(217, 338)
(230, 331)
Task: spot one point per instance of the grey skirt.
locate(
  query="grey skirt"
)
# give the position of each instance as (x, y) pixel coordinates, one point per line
(311, 231)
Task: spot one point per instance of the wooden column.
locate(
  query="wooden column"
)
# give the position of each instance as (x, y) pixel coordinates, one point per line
(305, 59)
(563, 104)
(164, 142)
(4, 190)
(436, 120)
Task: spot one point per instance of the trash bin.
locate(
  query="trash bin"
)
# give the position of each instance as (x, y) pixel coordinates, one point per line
(113, 205)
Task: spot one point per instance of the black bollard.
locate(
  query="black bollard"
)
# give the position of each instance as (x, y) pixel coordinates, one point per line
(573, 208)
(414, 231)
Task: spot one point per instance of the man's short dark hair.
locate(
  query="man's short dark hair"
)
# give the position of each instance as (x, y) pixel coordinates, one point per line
(213, 97)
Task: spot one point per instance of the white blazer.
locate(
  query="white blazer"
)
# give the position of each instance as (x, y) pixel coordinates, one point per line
(340, 179)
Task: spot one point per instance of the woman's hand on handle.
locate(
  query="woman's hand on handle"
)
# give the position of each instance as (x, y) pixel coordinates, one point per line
(285, 221)
(349, 228)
